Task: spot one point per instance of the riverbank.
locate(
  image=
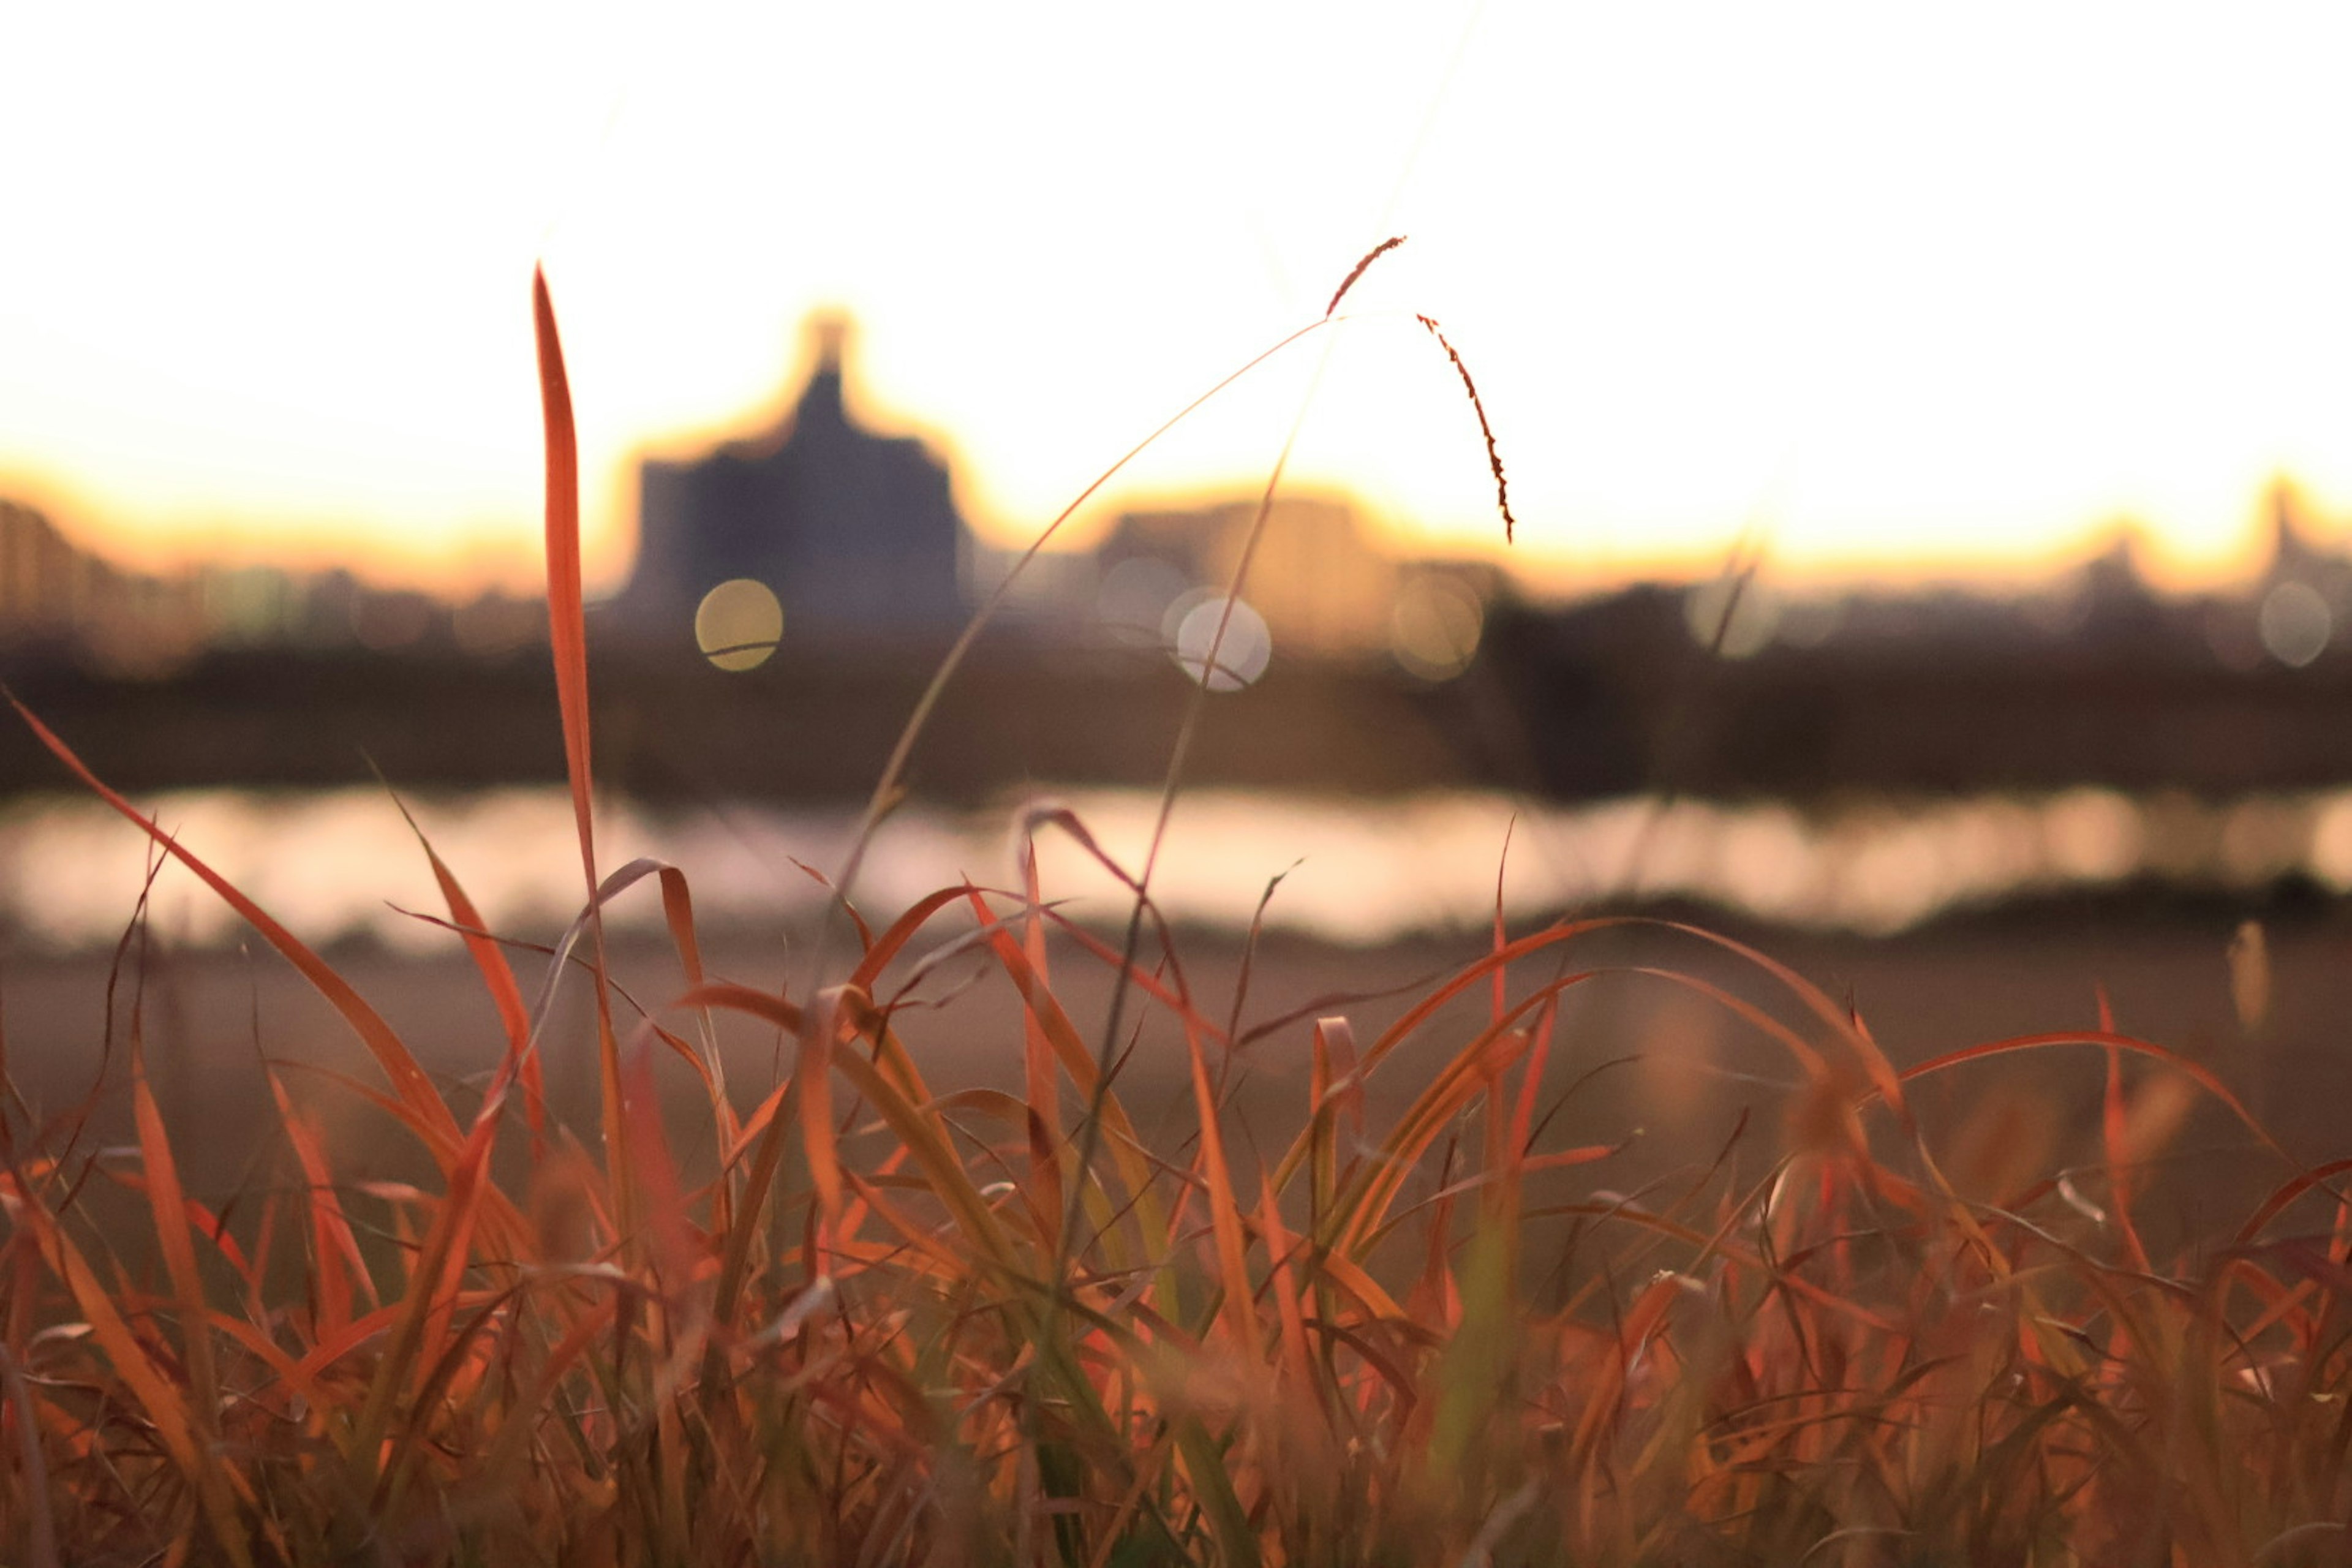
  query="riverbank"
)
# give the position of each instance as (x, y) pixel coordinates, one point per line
(1640, 1058)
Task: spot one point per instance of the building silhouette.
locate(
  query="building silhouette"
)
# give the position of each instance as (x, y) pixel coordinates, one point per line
(856, 533)
(1322, 587)
(46, 584)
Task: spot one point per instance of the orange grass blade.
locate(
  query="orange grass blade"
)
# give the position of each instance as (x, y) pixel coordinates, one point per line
(1043, 1082)
(881, 950)
(568, 641)
(950, 1263)
(678, 912)
(768, 1125)
(1875, 1065)
(1604, 1402)
(1344, 1273)
(819, 1029)
(2201, 1075)
(1075, 1059)
(672, 1250)
(927, 1143)
(1297, 1363)
(1174, 998)
(2284, 1199)
(169, 1206)
(918, 1129)
(498, 978)
(567, 628)
(1516, 1160)
(161, 1402)
(585, 924)
(420, 1108)
(421, 1318)
(510, 1446)
(2119, 1173)
(677, 909)
(1502, 938)
(1225, 1216)
(1211, 1484)
(1335, 1118)
(1409, 1023)
(1358, 1213)
(41, 1533)
(283, 1365)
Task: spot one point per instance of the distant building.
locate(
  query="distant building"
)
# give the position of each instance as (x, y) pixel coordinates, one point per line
(856, 534)
(2115, 602)
(56, 594)
(1315, 576)
(46, 584)
(2295, 555)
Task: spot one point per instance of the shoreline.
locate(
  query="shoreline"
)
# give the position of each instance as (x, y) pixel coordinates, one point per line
(1638, 1058)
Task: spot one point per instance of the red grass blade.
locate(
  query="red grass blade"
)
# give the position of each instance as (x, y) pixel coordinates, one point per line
(568, 640)
(158, 1398)
(335, 1251)
(1044, 1082)
(1225, 1216)
(917, 1129)
(2279, 1201)
(567, 628)
(421, 1106)
(498, 978)
(169, 1206)
(2201, 1075)
(2119, 1172)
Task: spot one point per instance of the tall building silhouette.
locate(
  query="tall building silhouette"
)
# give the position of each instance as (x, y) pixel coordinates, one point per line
(856, 533)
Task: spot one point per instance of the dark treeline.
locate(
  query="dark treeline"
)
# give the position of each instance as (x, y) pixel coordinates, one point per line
(1612, 699)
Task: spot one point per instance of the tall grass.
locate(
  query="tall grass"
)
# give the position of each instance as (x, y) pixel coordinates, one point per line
(882, 1324)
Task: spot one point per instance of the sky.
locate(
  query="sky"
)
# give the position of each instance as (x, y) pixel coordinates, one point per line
(1898, 290)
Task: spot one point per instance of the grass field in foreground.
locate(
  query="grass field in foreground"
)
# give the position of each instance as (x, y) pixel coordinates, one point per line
(882, 1325)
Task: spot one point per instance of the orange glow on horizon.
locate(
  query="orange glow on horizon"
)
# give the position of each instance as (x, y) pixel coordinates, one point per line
(1902, 296)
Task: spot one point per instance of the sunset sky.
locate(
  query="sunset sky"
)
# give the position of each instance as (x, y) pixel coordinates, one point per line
(1906, 289)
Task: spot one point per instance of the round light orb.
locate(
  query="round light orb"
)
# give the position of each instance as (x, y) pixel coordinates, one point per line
(1434, 628)
(1240, 654)
(738, 624)
(2294, 624)
(1737, 616)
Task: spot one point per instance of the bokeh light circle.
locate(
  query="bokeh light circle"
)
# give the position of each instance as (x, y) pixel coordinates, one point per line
(1434, 628)
(2295, 624)
(1241, 656)
(738, 624)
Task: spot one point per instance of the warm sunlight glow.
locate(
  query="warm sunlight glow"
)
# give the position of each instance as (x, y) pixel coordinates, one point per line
(1434, 628)
(1899, 290)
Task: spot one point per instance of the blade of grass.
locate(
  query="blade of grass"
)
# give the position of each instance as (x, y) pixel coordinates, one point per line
(1224, 1217)
(215, 1483)
(568, 642)
(498, 978)
(40, 1520)
(420, 1106)
(162, 1404)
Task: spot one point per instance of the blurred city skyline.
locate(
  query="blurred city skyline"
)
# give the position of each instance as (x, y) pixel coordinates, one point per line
(1901, 296)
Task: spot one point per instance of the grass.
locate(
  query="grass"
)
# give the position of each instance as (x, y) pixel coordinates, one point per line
(873, 1323)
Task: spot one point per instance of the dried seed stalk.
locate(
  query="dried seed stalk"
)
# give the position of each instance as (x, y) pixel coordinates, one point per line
(1493, 456)
(1374, 254)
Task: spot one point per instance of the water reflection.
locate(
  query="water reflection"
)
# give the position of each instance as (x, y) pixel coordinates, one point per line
(341, 863)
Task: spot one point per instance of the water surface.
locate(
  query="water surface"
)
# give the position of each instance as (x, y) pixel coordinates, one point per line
(343, 863)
